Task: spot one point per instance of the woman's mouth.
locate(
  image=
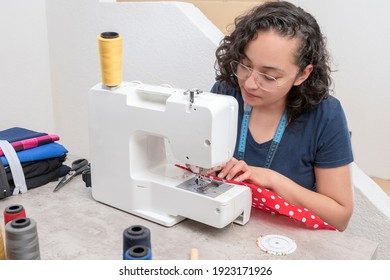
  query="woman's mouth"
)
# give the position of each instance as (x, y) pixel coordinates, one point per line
(249, 95)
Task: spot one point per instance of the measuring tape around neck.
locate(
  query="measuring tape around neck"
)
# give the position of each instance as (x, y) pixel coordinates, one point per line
(244, 131)
(275, 141)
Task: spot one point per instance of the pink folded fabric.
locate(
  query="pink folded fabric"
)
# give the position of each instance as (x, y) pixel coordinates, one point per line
(268, 201)
(32, 142)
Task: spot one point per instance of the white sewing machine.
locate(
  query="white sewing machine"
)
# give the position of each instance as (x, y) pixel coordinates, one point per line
(139, 132)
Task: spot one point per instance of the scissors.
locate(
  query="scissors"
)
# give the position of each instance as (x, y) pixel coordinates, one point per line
(78, 166)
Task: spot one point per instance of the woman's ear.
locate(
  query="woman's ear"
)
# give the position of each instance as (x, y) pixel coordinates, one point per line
(304, 75)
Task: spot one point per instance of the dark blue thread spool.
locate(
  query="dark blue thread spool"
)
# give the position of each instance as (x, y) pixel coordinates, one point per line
(136, 235)
(138, 252)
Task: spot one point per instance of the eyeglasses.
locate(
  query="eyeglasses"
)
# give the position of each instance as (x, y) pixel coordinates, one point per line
(263, 81)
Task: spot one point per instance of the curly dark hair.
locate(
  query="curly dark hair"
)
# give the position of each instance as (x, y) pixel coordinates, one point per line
(288, 21)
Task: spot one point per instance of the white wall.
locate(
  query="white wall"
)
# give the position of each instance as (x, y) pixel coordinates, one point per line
(358, 34)
(48, 67)
(25, 93)
(46, 70)
(164, 43)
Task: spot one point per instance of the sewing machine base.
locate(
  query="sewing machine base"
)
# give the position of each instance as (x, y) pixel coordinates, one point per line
(223, 214)
(217, 206)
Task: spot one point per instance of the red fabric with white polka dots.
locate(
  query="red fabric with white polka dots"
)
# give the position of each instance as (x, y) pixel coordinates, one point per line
(266, 200)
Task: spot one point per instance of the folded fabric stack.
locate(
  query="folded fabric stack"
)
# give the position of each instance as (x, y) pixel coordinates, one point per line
(29, 159)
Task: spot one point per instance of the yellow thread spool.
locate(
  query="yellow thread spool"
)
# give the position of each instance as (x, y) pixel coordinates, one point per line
(2, 253)
(110, 50)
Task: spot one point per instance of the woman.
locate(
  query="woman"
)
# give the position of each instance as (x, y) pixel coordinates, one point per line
(293, 136)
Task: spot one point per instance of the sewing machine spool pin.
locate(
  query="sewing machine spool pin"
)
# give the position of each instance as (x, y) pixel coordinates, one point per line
(191, 93)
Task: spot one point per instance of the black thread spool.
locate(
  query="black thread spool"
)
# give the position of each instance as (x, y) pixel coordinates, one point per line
(136, 235)
(22, 240)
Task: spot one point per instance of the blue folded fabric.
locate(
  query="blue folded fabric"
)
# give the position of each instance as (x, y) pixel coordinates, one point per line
(15, 134)
(46, 151)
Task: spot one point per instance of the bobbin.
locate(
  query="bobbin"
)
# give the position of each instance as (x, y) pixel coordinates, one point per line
(22, 240)
(20, 223)
(109, 35)
(13, 209)
(110, 52)
(138, 252)
(136, 235)
(13, 212)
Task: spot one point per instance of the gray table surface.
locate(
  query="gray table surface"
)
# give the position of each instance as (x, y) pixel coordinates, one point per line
(73, 226)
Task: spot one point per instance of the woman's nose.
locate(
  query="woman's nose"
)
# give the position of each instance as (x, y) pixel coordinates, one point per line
(251, 81)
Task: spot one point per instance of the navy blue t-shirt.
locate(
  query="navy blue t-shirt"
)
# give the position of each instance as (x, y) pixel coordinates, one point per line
(318, 138)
